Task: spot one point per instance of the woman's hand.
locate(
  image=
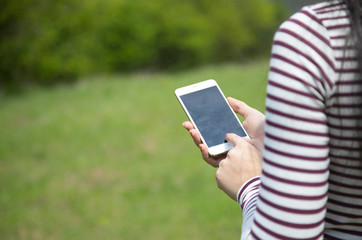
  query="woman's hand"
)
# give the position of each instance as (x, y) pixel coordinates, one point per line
(242, 163)
(213, 161)
(253, 124)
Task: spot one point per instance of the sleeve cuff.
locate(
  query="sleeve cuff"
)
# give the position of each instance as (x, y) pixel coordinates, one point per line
(248, 191)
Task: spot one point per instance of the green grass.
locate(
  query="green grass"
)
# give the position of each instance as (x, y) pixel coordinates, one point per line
(107, 158)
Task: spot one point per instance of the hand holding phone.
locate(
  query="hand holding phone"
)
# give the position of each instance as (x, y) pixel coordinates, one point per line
(210, 114)
(254, 124)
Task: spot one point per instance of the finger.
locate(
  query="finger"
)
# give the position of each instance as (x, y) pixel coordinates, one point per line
(250, 141)
(204, 151)
(193, 132)
(233, 138)
(239, 107)
(210, 160)
(255, 143)
(195, 136)
(188, 125)
(221, 162)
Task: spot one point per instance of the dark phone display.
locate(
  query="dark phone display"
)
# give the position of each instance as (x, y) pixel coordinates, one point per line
(212, 115)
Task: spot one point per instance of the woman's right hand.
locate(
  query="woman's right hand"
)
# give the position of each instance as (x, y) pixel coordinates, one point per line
(254, 124)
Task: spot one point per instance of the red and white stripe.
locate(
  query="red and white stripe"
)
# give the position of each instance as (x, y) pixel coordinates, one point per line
(311, 183)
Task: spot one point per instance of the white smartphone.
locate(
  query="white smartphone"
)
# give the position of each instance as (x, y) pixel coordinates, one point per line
(209, 111)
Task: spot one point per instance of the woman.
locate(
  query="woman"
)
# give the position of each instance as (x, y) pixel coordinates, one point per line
(310, 182)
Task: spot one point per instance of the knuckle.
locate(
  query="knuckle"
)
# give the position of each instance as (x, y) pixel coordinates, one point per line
(231, 154)
(218, 178)
(217, 174)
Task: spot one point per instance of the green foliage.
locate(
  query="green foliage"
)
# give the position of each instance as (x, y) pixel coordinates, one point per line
(45, 41)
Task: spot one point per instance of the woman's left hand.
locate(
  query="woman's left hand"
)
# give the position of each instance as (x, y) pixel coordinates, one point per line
(242, 163)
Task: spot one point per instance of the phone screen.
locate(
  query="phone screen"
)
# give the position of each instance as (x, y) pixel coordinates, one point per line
(212, 115)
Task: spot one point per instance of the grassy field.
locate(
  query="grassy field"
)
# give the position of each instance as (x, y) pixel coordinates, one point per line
(107, 158)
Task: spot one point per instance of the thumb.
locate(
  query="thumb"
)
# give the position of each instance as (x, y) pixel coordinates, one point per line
(233, 139)
(239, 107)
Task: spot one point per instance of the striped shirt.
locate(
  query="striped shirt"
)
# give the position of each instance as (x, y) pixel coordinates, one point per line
(311, 182)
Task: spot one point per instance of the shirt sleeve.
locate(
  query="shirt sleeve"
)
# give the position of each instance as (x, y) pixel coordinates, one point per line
(247, 197)
(289, 201)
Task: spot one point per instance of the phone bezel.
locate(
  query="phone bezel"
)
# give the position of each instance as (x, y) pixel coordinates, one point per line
(217, 149)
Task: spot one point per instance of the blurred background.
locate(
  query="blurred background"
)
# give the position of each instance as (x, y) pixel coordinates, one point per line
(91, 143)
